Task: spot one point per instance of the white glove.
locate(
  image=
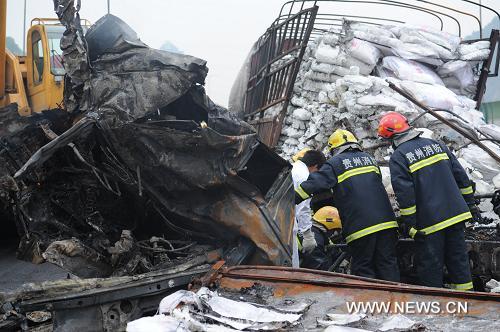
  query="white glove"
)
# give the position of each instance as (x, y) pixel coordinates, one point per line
(308, 241)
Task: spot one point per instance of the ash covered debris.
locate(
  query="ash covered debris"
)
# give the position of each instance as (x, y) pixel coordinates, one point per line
(150, 174)
(206, 310)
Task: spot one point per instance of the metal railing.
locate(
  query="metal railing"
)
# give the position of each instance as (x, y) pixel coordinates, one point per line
(273, 70)
(434, 9)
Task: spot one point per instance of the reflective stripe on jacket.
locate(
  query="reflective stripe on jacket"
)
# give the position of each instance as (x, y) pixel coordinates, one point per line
(431, 186)
(358, 193)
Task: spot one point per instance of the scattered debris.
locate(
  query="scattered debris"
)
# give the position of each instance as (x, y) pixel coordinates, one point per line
(336, 328)
(397, 322)
(493, 286)
(39, 316)
(206, 307)
(341, 319)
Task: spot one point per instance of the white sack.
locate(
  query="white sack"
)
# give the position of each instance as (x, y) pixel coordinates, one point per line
(434, 96)
(441, 38)
(336, 56)
(378, 39)
(317, 76)
(469, 48)
(473, 117)
(328, 54)
(461, 70)
(476, 55)
(355, 83)
(329, 68)
(416, 38)
(371, 29)
(483, 187)
(363, 51)
(491, 129)
(496, 181)
(415, 52)
(452, 83)
(364, 69)
(408, 70)
(482, 161)
(379, 100)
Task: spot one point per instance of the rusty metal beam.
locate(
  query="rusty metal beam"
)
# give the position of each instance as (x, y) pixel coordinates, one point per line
(485, 70)
(339, 280)
(447, 122)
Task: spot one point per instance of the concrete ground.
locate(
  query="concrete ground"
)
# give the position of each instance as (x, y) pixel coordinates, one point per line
(15, 272)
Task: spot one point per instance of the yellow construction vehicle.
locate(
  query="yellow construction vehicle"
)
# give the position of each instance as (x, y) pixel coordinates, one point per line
(34, 81)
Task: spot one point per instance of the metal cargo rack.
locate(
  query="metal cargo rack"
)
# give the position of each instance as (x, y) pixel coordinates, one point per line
(279, 51)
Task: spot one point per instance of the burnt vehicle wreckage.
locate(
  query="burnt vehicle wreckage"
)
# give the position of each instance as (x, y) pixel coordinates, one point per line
(143, 183)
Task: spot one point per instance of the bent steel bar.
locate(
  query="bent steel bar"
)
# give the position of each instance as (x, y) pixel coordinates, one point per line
(428, 10)
(432, 12)
(485, 7)
(457, 11)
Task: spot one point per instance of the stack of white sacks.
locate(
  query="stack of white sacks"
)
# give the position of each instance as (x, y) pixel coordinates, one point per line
(342, 83)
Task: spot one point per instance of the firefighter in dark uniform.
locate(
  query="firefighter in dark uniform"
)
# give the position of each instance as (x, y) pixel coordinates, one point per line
(325, 224)
(368, 221)
(435, 197)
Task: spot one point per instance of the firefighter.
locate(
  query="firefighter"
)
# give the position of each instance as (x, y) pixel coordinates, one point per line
(325, 223)
(435, 197)
(306, 161)
(368, 221)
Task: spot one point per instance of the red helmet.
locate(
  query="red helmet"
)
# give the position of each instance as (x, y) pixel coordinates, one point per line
(392, 123)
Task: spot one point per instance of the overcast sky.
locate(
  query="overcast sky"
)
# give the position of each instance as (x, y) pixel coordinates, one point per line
(222, 31)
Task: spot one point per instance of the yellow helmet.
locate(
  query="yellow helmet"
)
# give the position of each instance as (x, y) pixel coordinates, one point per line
(341, 137)
(328, 216)
(300, 154)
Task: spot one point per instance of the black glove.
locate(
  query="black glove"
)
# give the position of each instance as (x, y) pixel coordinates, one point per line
(403, 230)
(298, 199)
(476, 214)
(419, 235)
(496, 202)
